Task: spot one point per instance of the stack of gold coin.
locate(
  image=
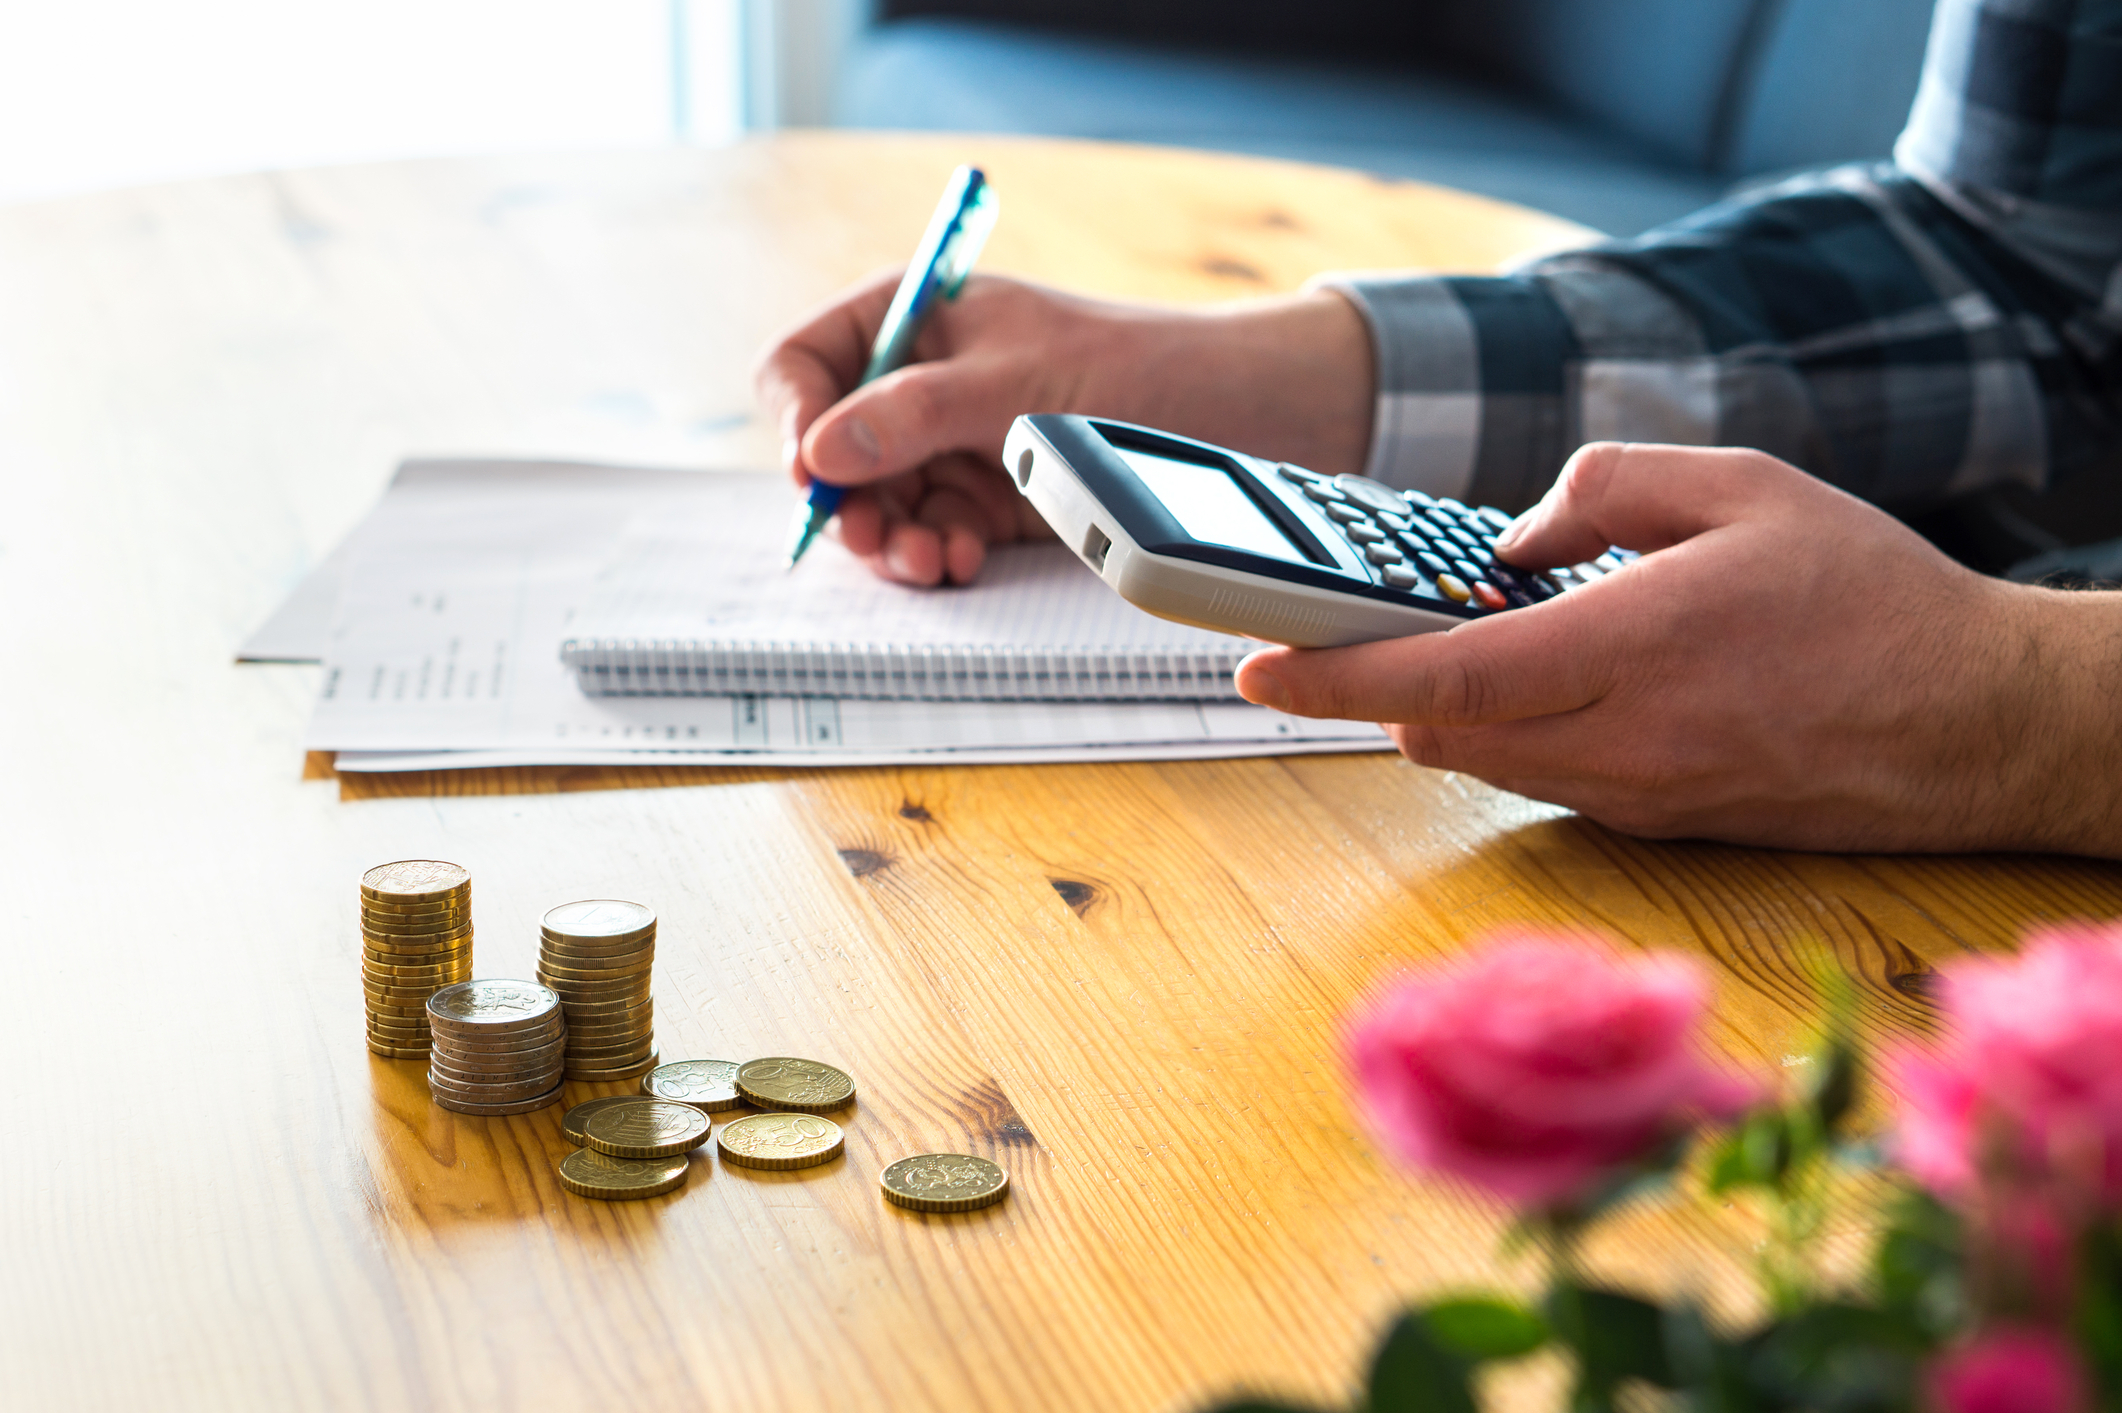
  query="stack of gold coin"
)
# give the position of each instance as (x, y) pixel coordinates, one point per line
(499, 1047)
(597, 956)
(416, 937)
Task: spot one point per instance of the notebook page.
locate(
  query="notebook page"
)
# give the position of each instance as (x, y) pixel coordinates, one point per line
(716, 576)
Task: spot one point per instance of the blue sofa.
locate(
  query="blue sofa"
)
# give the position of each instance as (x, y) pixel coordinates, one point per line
(1617, 113)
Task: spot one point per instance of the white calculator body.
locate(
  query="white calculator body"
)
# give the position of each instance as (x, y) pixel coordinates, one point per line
(1212, 537)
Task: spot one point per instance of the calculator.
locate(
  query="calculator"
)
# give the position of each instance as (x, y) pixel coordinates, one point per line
(1213, 537)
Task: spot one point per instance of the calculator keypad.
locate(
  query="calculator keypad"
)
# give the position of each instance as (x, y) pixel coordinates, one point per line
(1433, 547)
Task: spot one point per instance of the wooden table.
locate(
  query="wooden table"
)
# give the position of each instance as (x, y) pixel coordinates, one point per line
(1123, 982)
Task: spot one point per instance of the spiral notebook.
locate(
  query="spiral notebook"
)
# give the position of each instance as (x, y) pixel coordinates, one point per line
(703, 607)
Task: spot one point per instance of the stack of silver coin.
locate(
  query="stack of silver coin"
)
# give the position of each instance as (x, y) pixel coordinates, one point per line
(416, 937)
(598, 955)
(499, 1047)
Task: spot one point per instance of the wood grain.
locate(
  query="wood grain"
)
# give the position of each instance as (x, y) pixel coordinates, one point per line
(1125, 983)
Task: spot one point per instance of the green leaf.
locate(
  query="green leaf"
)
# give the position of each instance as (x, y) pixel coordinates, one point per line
(1615, 1336)
(1478, 1329)
(1917, 1266)
(1412, 1374)
(1836, 1073)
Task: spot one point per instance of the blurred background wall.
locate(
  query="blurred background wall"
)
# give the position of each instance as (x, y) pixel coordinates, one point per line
(1617, 113)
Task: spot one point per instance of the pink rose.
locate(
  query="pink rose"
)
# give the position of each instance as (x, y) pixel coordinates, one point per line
(2011, 1371)
(1539, 1065)
(2032, 1076)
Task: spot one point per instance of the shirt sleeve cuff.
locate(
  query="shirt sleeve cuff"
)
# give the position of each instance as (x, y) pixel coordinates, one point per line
(1426, 419)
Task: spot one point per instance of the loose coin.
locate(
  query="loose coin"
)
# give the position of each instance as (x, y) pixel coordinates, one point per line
(645, 1128)
(520, 1106)
(781, 1082)
(588, 1173)
(780, 1141)
(944, 1182)
(708, 1085)
(414, 881)
(571, 1122)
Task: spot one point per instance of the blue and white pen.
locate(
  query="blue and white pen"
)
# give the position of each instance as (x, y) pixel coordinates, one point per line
(945, 257)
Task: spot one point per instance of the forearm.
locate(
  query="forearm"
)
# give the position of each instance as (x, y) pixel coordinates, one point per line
(2068, 676)
(1288, 378)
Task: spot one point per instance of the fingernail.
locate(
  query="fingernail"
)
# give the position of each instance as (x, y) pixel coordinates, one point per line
(1514, 531)
(790, 450)
(865, 440)
(902, 565)
(1263, 688)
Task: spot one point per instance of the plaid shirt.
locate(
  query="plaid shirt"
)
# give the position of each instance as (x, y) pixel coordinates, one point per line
(1909, 331)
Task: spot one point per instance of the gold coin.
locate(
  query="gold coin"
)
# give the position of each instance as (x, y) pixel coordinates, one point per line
(780, 1141)
(594, 954)
(397, 1052)
(594, 1073)
(588, 1173)
(416, 932)
(571, 1122)
(708, 1085)
(518, 1106)
(944, 1182)
(414, 881)
(645, 1128)
(391, 949)
(605, 919)
(455, 902)
(781, 1082)
(384, 1025)
(595, 974)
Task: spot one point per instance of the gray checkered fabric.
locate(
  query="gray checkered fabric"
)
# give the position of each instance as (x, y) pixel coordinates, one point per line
(1909, 331)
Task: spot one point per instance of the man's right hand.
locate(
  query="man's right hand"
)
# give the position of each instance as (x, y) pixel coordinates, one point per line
(1287, 378)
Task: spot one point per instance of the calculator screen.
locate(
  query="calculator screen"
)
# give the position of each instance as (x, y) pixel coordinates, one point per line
(1209, 505)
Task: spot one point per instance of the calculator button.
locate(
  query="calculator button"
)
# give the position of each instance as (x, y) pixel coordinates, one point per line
(1382, 554)
(1322, 491)
(1426, 525)
(1298, 474)
(1396, 522)
(1454, 588)
(1588, 572)
(1400, 576)
(1433, 564)
(1469, 572)
(1346, 514)
(1375, 494)
(1481, 554)
(1494, 517)
(1489, 596)
(1449, 506)
(1607, 562)
(1364, 534)
(1419, 500)
(1464, 538)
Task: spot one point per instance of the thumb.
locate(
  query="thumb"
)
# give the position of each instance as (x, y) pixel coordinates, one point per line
(965, 402)
(1639, 496)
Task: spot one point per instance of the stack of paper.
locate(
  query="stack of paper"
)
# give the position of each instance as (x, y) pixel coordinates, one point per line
(455, 595)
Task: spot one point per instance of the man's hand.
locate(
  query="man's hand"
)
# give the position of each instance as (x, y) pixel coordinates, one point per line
(1288, 378)
(1785, 665)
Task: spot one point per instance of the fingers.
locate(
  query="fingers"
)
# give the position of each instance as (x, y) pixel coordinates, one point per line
(810, 366)
(1553, 657)
(1641, 497)
(960, 403)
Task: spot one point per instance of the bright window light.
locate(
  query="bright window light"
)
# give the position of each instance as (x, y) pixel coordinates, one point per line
(101, 93)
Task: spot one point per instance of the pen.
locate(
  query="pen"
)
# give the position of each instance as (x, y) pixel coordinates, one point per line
(941, 262)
